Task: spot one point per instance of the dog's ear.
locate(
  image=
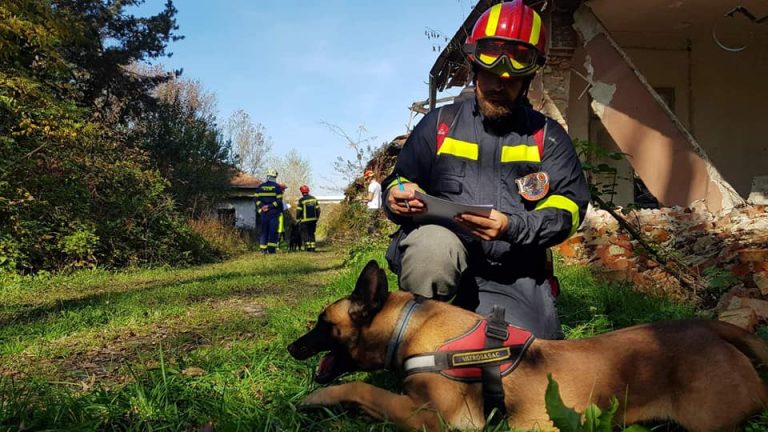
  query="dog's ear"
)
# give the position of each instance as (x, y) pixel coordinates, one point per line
(371, 292)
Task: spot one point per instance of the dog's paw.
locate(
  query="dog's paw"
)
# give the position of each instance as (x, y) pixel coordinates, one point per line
(316, 399)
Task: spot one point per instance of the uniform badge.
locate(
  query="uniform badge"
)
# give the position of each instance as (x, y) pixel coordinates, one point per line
(534, 186)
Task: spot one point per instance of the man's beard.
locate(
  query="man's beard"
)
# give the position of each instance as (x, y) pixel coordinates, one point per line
(499, 106)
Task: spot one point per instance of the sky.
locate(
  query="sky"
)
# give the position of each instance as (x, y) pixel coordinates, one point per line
(293, 65)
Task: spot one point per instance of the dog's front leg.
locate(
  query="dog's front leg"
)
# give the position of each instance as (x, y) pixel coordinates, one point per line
(380, 404)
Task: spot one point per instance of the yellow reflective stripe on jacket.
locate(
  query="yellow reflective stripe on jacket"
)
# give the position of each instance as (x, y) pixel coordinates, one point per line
(459, 148)
(562, 203)
(520, 153)
(266, 194)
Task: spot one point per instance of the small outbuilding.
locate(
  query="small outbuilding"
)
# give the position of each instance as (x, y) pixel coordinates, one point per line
(238, 207)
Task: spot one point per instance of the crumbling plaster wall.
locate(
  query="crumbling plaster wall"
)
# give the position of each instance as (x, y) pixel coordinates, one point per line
(730, 109)
(676, 168)
(719, 97)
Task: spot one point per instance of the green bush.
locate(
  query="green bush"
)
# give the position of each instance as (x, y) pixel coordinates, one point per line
(225, 241)
(349, 222)
(80, 247)
(74, 191)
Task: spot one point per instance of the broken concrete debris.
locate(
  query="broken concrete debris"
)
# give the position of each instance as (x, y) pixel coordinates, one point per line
(729, 251)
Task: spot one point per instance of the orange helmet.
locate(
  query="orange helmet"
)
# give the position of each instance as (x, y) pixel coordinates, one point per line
(367, 173)
(304, 189)
(508, 39)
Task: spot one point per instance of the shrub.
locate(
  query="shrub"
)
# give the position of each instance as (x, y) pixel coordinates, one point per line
(225, 241)
(350, 222)
(79, 247)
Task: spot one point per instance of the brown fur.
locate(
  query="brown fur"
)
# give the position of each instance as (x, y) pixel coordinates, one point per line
(697, 373)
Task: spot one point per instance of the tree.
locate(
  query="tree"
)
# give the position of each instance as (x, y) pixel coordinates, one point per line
(185, 145)
(294, 171)
(101, 41)
(72, 192)
(249, 141)
(351, 169)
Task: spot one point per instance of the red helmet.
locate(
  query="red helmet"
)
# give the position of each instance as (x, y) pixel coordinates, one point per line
(304, 189)
(508, 39)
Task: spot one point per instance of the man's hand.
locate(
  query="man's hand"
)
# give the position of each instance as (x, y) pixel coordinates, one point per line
(397, 199)
(487, 228)
(264, 208)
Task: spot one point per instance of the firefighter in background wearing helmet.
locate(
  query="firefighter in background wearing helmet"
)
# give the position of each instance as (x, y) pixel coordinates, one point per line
(307, 214)
(492, 148)
(269, 203)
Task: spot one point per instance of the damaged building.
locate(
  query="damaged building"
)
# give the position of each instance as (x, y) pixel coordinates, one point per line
(676, 86)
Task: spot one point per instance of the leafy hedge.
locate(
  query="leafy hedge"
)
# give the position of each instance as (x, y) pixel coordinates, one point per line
(74, 191)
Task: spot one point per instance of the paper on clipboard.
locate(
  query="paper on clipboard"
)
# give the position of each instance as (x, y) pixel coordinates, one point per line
(440, 208)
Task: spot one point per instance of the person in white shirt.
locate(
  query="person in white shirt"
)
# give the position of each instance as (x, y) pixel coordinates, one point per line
(374, 191)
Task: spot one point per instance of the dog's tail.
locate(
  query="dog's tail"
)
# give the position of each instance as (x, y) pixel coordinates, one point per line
(751, 345)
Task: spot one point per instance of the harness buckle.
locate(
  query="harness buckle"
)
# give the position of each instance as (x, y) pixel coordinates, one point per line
(496, 327)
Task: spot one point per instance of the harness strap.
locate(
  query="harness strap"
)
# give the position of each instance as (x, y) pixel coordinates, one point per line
(397, 335)
(496, 334)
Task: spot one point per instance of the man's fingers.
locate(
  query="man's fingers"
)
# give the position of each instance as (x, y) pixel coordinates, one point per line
(478, 221)
(401, 194)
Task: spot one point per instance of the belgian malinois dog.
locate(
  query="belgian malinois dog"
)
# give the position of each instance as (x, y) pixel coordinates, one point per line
(701, 374)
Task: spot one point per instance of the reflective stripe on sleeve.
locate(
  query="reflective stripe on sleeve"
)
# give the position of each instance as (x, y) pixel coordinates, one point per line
(563, 203)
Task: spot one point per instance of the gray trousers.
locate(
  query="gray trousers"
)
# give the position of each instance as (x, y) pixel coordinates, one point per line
(434, 263)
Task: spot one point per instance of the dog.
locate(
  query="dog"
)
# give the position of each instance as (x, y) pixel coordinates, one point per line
(701, 374)
(294, 238)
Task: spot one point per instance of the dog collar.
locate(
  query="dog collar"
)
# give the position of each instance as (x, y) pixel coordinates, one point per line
(397, 336)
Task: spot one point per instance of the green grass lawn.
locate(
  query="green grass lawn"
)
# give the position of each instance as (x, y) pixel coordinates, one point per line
(203, 348)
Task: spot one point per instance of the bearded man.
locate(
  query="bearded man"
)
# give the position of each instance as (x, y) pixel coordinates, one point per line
(490, 149)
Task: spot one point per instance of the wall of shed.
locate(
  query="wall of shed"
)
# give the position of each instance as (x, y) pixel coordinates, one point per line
(245, 211)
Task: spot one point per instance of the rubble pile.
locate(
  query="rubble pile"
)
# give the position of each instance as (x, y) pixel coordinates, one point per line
(729, 252)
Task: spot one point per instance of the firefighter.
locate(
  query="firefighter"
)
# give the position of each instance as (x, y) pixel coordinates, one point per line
(307, 214)
(281, 218)
(492, 148)
(269, 203)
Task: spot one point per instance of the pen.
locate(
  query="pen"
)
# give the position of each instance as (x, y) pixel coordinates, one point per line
(400, 185)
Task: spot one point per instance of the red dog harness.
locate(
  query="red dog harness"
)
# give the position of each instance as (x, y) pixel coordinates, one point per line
(461, 358)
(490, 350)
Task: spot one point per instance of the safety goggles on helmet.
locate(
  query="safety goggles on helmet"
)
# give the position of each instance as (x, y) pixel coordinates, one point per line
(505, 56)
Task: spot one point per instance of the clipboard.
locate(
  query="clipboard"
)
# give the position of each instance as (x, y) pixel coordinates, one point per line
(443, 209)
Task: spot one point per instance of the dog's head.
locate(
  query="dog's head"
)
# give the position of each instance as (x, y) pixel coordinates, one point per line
(339, 327)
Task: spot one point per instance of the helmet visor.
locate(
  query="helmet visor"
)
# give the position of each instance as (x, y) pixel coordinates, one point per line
(517, 56)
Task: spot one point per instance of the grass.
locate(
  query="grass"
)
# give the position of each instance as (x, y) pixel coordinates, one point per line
(203, 348)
